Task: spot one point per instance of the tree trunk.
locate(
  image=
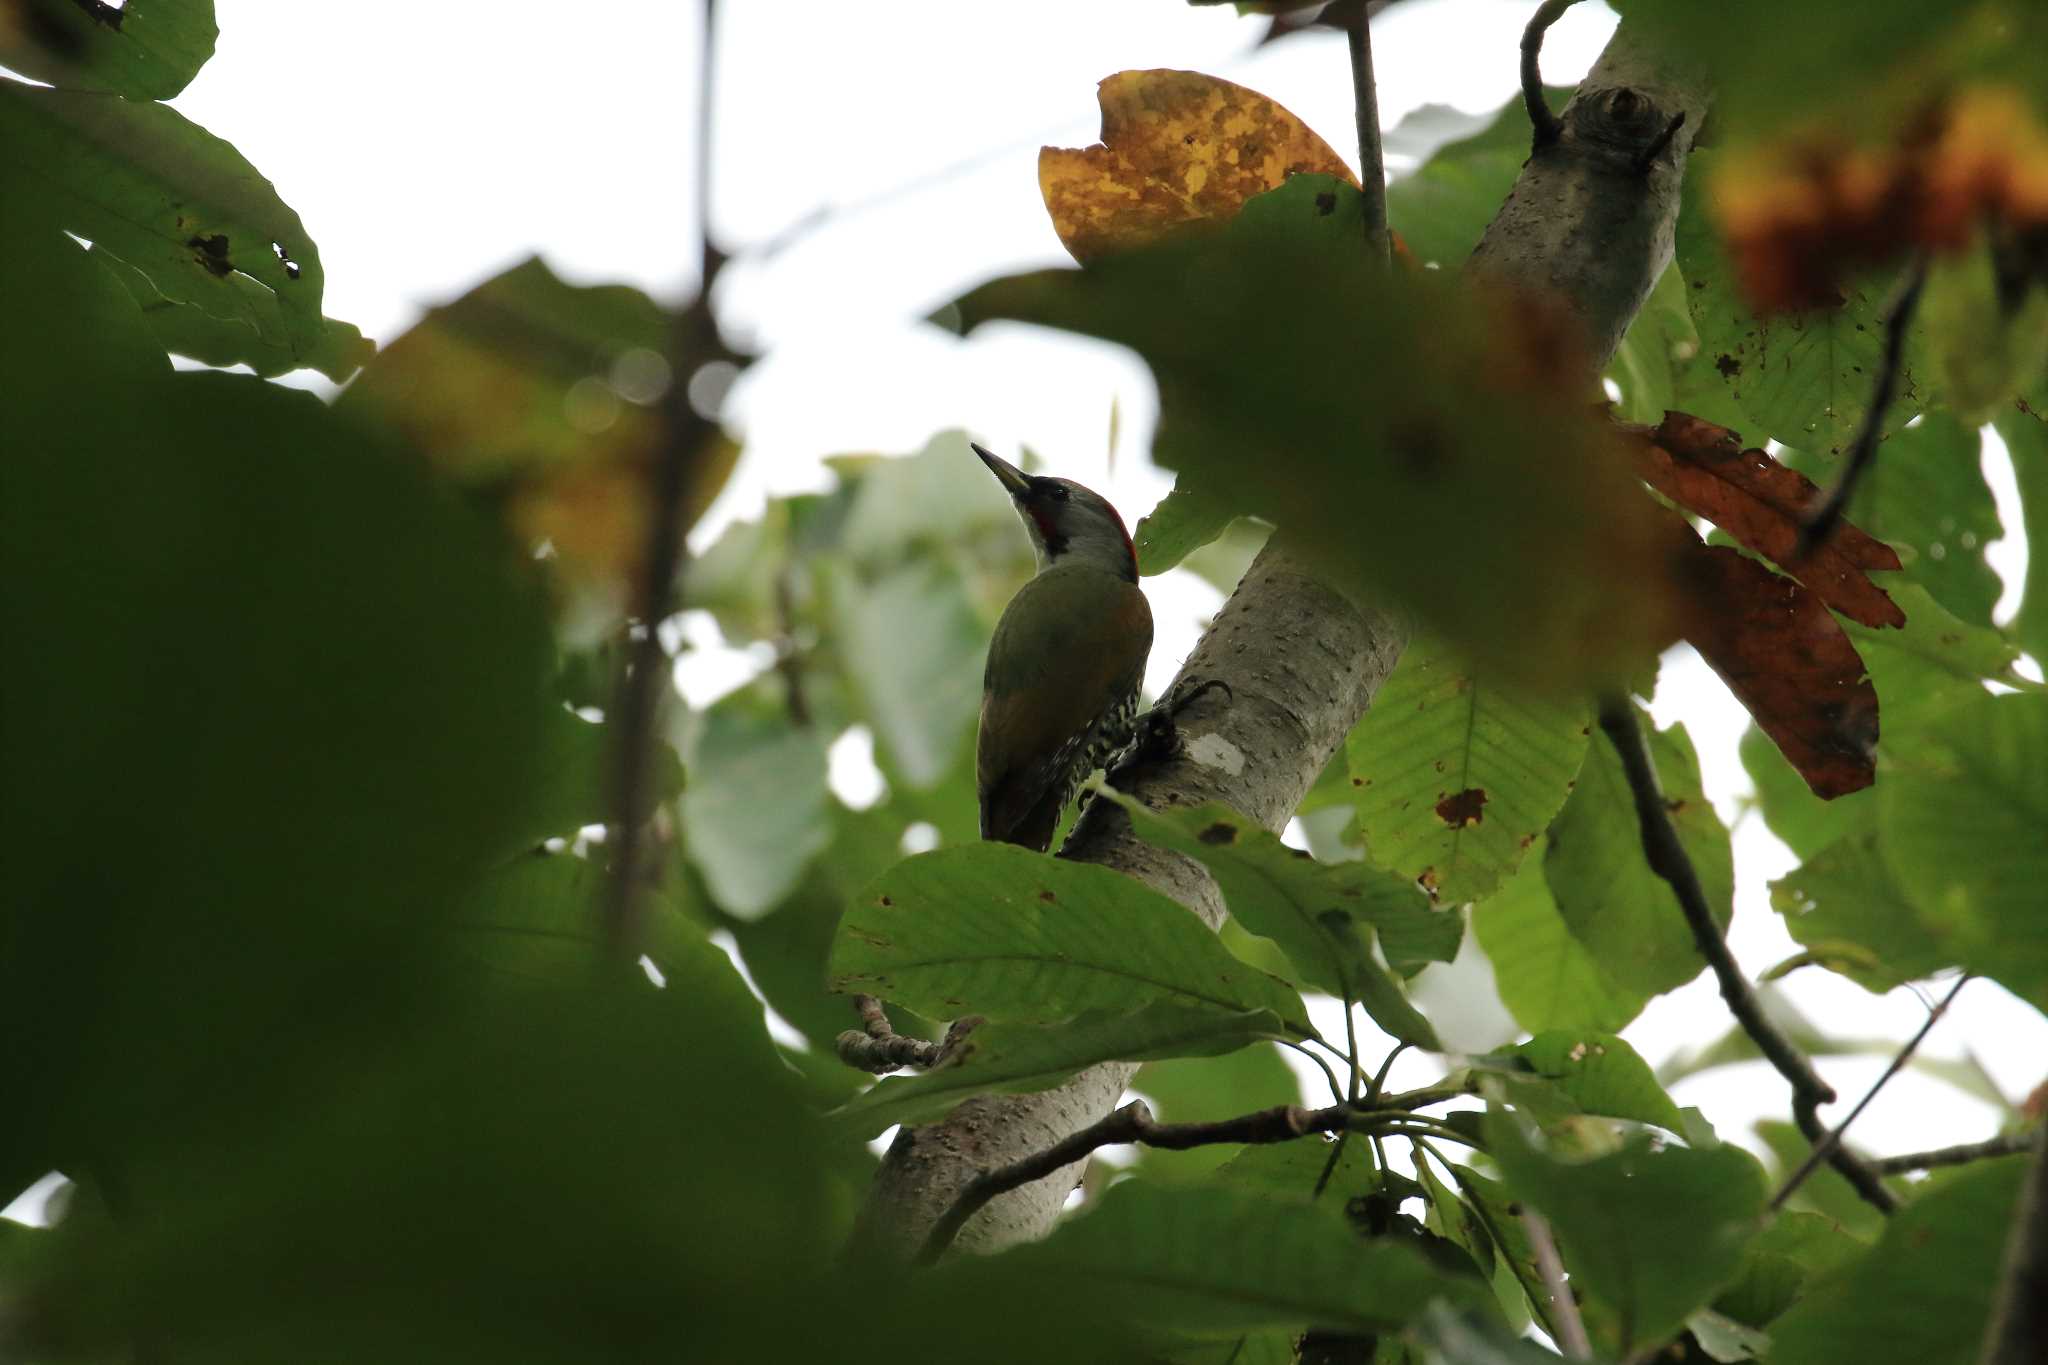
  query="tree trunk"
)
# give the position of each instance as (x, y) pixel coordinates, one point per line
(1586, 220)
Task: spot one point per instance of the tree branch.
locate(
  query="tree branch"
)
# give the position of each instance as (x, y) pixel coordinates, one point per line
(1668, 859)
(1547, 125)
(876, 1045)
(1571, 1329)
(2017, 1333)
(1302, 660)
(1822, 520)
(644, 676)
(2005, 1144)
(1372, 161)
(1829, 1145)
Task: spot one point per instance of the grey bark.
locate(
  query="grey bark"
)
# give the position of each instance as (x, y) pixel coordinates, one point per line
(1303, 662)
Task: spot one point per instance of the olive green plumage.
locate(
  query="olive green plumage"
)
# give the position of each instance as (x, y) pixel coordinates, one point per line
(1060, 692)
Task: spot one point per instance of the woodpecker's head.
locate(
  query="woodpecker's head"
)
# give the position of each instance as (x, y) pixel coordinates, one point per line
(1068, 523)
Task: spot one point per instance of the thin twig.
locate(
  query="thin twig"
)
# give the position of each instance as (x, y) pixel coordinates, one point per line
(1336, 1090)
(1571, 1329)
(1372, 161)
(1656, 149)
(1668, 859)
(2017, 1330)
(2005, 1144)
(1351, 1083)
(644, 678)
(1133, 1123)
(1548, 127)
(1832, 1143)
(1827, 514)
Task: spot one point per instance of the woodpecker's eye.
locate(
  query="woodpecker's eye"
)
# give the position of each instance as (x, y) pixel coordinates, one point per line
(1058, 492)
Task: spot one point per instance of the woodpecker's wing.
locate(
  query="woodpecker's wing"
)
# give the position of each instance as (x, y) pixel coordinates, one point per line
(1070, 648)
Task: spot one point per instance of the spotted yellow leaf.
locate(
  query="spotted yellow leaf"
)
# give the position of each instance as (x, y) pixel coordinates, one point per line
(1177, 147)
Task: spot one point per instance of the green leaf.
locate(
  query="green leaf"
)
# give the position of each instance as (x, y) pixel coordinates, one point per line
(1804, 821)
(913, 649)
(1927, 497)
(1793, 1248)
(1962, 833)
(1601, 1074)
(574, 788)
(1209, 1260)
(1287, 1172)
(1456, 776)
(1845, 907)
(1023, 1057)
(1185, 520)
(1626, 915)
(1546, 977)
(755, 811)
(1293, 353)
(1802, 378)
(1924, 667)
(184, 208)
(1652, 1232)
(2025, 433)
(1656, 351)
(1318, 913)
(1922, 1294)
(1002, 931)
(144, 49)
(1447, 1338)
(1442, 207)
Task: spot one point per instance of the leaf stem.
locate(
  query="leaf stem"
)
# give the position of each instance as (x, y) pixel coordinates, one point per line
(1571, 1329)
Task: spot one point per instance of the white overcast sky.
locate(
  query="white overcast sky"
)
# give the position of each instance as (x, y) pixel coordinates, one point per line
(428, 145)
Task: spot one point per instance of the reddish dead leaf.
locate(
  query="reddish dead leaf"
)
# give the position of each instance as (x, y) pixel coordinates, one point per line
(1463, 808)
(1789, 662)
(1803, 216)
(1704, 469)
(1177, 147)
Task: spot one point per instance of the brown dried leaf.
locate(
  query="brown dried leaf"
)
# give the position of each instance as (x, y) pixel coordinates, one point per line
(1704, 469)
(1789, 662)
(1177, 147)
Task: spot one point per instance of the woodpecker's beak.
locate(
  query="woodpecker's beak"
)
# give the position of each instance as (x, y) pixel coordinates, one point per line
(1015, 481)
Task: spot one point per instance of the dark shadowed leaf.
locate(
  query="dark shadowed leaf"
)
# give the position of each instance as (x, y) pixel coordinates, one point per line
(1294, 355)
(1921, 1295)
(1652, 1232)
(1625, 914)
(1211, 1260)
(1455, 775)
(162, 194)
(1002, 931)
(144, 49)
(1793, 1248)
(1012, 1056)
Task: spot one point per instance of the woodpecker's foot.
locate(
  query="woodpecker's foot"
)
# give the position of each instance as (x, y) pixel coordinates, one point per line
(1155, 738)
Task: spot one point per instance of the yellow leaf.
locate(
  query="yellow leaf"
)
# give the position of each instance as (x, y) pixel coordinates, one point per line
(1177, 147)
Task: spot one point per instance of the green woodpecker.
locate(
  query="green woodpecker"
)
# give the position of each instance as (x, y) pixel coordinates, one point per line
(1060, 693)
